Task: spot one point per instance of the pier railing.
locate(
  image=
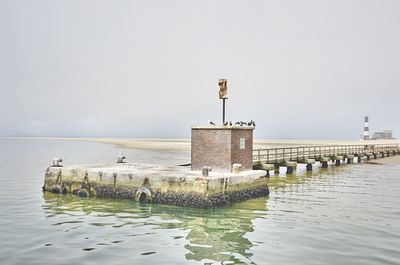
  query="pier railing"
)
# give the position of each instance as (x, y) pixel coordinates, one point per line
(300, 153)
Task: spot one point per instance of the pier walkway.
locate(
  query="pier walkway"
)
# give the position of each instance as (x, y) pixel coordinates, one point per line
(289, 157)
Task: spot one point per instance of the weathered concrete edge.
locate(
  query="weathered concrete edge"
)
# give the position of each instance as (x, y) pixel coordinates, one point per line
(190, 199)
(194, 191)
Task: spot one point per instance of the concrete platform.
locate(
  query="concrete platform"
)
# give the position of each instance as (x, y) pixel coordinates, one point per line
(324, 159)
(267, 167)
(309, 161)
(292, 164)
(172, 185)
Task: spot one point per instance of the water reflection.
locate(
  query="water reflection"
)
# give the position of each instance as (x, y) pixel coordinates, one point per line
(212, 235)
(302, 178)
(156, 233)
(207, 236)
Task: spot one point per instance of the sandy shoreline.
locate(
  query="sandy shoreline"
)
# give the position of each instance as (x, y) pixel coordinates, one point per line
(172, 144)
(128, 143)
(391, 160)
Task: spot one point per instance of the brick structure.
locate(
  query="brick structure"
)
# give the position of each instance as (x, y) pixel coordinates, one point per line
(221, 146)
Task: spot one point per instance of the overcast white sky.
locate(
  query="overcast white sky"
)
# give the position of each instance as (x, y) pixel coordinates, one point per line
(300, 69)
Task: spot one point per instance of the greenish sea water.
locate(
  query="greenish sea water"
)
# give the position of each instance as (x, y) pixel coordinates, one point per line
(343, 215)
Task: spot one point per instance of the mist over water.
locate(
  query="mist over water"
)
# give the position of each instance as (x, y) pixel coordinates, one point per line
(151, 68)
(343, 215)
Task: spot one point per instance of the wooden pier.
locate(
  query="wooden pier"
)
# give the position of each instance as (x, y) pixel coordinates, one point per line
(273, 158)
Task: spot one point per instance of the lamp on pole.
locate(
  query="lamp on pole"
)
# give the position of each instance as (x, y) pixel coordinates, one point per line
(223, 90)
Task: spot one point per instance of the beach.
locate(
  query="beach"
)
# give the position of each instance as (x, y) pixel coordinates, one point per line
(391, 160)
(177, 144)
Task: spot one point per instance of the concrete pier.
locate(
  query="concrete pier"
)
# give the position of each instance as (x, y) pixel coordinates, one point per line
(309, 162)
(324, 162)
(203, 186)
(290, 166)
(221, 172)
(350, 159)
(338, 160)
(172, 185)
(309, 154)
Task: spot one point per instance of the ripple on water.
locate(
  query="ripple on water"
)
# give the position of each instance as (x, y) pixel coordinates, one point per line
(88, 249)
(148, 253)
(348, 215)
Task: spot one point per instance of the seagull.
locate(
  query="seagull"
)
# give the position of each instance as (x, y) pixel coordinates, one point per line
(226, 123)
(121, 158)
(210, 122)
(230, 123)
(237, 123)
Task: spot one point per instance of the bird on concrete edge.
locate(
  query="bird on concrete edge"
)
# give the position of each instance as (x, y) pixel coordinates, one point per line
(210, 122)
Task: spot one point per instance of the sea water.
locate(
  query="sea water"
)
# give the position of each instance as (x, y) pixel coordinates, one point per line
(343, 215)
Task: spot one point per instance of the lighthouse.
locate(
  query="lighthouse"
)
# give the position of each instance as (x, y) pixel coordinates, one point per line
(366, 129)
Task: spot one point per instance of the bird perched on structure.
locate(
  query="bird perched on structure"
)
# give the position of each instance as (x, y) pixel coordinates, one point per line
(251, 123)
(210, 122)
(121, 158)
(57, 162)
(230, 123)
(237, 123)
(226, 123)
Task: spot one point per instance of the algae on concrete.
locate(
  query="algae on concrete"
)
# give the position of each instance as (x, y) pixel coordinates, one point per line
(159, 184)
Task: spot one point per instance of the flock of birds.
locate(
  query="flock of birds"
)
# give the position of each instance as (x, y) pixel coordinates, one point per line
(238, 123)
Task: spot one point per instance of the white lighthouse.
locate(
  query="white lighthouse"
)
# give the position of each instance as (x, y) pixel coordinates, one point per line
(366, 129)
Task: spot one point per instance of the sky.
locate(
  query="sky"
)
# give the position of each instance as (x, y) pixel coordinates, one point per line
(300, 69)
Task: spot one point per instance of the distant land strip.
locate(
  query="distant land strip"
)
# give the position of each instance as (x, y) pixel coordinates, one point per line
(181, 144)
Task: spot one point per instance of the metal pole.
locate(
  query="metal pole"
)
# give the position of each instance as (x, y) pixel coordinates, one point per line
(223, 110)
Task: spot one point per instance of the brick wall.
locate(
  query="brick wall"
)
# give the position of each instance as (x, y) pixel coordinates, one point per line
(219, 147)
(242, 156)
